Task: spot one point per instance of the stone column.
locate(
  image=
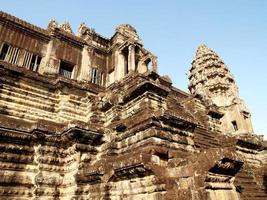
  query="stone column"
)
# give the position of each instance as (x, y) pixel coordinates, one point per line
(119, 65)
(154, 65)
(84, 73)
(131, 58)
(48, 64)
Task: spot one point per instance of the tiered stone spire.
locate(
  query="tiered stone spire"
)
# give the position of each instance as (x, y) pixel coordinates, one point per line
(211, 80)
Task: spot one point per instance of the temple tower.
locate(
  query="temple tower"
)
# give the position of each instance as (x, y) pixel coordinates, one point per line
(212, 82)
(128, 54)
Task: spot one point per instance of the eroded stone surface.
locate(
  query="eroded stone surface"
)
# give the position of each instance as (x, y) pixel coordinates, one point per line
(86, 117)
(212, 82)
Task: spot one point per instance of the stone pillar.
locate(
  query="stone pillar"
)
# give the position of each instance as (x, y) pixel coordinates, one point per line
(84, 73)
(131, 58)
(48, 55)
(154, 65)
(48, 64)
(119, 65)
(142, 68)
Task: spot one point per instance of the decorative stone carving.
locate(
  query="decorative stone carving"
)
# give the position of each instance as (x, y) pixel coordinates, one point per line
(211, 81)
(66, 27)
(128, 31)
(137, 138)
(82, 29)
(52, 24)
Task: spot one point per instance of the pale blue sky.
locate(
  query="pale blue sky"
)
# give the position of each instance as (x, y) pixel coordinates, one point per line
(172, 30)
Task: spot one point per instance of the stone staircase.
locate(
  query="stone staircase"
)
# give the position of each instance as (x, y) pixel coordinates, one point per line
(205, 139)
(247, 186)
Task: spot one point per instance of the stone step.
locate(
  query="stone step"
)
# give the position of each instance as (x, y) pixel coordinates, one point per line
(205, 146)
(206, 140)
(250, 189)
(205, 135)
(255, 195)
(206, 143)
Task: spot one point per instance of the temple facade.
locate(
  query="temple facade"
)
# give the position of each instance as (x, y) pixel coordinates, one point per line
(88, 117)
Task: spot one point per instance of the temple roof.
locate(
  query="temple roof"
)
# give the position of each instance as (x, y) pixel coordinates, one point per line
(209, 76)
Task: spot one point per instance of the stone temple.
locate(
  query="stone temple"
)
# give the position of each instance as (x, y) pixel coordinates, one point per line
(88, 117)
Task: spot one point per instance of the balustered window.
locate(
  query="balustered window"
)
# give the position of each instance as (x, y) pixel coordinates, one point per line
(96, 76)
(31, 61)
(66, 69)
(9, 53)
(235, 127)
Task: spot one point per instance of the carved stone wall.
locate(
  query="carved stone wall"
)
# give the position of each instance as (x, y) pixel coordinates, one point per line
(133, 137)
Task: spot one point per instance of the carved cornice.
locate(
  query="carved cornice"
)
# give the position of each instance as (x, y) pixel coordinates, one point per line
(67, 37)
(21, 25)
(53, 82)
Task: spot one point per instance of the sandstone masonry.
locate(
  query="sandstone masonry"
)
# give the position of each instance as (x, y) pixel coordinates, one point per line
(88, 117)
